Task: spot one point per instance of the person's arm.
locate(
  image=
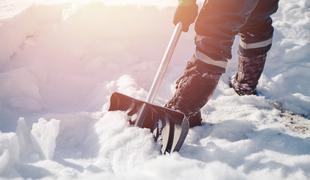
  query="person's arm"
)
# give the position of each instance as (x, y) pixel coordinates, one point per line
(186, 13)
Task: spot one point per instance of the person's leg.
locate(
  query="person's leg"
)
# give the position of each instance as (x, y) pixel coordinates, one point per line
(216, 26)
(193, 90)
(255, 42)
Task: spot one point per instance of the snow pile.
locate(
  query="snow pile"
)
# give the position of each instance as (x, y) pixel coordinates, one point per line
(122, 148)
(45, 133)
(60, 62)
(60, 57)
(248, 142)
(26, 145)
(9, 151)
(287, 71)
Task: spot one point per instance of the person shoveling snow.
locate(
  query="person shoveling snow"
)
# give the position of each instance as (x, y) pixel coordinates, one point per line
(54, 68)
(216, 26)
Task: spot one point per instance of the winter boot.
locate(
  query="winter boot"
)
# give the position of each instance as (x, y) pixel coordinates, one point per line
(244, 82)
(193, 90)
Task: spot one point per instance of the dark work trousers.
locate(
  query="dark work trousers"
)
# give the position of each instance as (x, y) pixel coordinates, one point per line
(220, 20)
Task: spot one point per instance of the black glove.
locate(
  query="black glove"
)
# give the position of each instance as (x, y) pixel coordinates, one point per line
(186, 13)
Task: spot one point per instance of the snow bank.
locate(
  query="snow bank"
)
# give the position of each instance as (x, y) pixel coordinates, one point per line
(286, 77)
(9, 152)
(58, 58)
(248, 142)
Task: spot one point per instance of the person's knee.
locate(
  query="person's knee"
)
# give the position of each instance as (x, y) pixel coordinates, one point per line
(218, 23)
(204, 64)
(256, 39)
(214, 47)
(256, 34)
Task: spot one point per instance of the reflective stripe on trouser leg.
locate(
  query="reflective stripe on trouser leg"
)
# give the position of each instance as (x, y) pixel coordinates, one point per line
(206, 59)
(251, 48)
(255, 45)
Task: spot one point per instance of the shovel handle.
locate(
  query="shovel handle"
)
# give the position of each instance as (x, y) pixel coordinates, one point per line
(164, 63)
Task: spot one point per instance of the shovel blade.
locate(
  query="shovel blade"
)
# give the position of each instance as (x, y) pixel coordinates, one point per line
(175, 124)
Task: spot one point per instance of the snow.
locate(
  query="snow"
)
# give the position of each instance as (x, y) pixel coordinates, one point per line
(286, 80)
(59, 62)
(45, 133)
(9, 149)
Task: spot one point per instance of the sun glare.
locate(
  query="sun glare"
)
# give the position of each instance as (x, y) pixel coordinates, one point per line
(114, 2)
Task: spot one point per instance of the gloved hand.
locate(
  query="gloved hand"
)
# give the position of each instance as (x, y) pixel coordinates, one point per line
(186, 13)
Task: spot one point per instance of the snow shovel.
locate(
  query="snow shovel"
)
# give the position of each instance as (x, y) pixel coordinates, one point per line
(171, 125)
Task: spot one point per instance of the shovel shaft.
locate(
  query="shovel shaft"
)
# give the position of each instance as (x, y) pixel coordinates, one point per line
(160, 74)
(164, 63)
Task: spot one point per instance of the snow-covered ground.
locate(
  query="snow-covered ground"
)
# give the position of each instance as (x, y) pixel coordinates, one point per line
(60, 62)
